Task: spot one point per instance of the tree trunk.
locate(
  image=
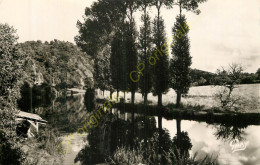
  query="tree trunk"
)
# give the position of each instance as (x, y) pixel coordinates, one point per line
(160, 129)
(160, 121)
(178, 101)
(124, 96)
(132, 97)
(117, 93)
(145, 126)
(133, 116)
(160, 100)
(145, 134)
(111, 94)
(145, 99)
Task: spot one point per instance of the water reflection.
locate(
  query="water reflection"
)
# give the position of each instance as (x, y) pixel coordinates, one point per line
(34, 97)
(229, 133)
(181, 142)
(156, 139)
(113, 132)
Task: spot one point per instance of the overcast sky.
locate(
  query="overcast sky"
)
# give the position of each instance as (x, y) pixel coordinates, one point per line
(226, 31)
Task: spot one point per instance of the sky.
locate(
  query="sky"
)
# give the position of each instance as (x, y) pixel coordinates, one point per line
(226, 31)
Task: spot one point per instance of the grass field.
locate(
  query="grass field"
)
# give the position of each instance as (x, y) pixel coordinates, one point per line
(205, 96)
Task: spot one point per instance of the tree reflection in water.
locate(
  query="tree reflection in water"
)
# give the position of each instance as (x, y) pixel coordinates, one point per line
(228, 132)
(112, 133)
(112, 142)
(181, 142)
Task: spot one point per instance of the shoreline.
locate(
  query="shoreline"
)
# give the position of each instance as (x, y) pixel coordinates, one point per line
(241, 119)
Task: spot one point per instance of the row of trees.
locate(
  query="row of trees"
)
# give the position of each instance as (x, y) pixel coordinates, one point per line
(109, 31)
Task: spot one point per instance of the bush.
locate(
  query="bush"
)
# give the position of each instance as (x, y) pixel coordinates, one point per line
(169, 155)
(49, 141)
(9, 153)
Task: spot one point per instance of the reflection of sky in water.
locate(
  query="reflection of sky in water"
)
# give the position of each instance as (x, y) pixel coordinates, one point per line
(76, 145)
(204, 141)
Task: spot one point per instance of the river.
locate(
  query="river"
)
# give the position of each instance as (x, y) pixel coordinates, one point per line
(229, 144)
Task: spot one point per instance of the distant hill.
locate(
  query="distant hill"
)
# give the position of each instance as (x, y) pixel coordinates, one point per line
(200, 77)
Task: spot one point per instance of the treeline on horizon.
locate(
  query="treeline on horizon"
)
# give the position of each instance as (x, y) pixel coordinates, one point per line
(56, 58)
(203, 78)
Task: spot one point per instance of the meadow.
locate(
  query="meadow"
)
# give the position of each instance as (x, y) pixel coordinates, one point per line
(205, 96)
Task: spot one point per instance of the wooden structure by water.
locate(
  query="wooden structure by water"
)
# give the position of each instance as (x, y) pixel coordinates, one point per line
(33, 119)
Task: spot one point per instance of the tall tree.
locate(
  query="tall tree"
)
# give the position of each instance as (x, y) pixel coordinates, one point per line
(180, 64)
(160, 58)
(97, 32)
(116, 61)
(130, 45)
(145, 47)
(102, 69)
(181, 61)
(160, 62)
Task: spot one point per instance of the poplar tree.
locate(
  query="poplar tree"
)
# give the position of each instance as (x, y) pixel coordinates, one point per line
(181, 61)
(160, 62)
(145, 47)
(130, 45)
(180, 64)
(160, 58)
(116, 61)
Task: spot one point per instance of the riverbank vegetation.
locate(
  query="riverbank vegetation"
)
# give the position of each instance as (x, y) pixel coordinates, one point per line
(109, 47)
(57, 63)
(12, 61)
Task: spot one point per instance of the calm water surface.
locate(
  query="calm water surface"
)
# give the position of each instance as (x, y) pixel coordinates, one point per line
(212, 139)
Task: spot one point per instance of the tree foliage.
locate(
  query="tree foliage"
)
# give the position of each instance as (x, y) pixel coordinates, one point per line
(160, 56)
(182, 144)
(102, 74)
(116, 62)
(181, 61)
(145, 48)
(60, 63)
(229, 78)
(96, 33)
(188, 5)
(12, 61)
(131, 56)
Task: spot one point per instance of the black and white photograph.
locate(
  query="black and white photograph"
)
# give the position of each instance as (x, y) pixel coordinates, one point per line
(129, 82)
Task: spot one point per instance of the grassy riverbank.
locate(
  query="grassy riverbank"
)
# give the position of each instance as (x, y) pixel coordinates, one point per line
(42, 149)
(202, 98)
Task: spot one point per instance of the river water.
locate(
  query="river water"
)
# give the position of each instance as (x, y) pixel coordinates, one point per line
(230, 144)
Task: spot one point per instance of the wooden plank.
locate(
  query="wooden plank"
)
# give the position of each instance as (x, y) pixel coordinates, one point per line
(30, 116)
